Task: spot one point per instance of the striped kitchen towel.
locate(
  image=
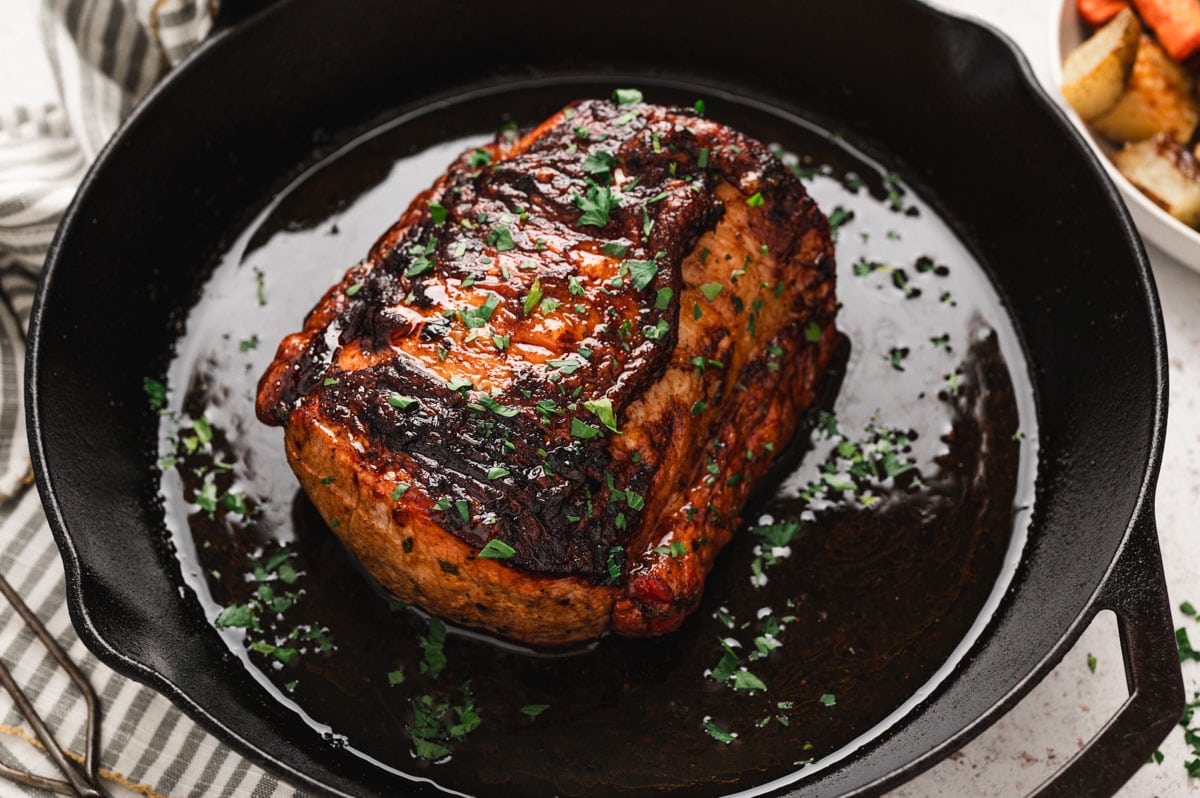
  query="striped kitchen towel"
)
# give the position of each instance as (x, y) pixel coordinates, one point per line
(105, 54)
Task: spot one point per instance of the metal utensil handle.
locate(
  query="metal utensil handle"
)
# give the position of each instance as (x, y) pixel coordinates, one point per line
(1136, 592)
(87, 784)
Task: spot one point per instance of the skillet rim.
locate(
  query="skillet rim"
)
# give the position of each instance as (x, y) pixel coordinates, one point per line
(1142, 509)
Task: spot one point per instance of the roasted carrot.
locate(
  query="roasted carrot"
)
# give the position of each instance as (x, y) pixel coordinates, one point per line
(1176, 23)
(1097, 12)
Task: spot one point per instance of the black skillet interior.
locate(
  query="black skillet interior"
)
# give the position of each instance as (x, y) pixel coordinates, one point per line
(948, 99)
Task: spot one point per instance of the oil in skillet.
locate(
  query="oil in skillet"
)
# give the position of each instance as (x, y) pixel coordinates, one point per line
(866, 602)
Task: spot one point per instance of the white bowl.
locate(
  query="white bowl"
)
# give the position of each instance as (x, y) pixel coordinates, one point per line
(1156, 225)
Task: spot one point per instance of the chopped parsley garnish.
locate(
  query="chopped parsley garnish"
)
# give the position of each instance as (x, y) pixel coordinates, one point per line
(900, 280)
(1191, 735)
(533, 710)
(533, 297)
(402, 402)
(501, 238)
(641, 272)
(727, 665)
(436, 723)
(248, 344)
(711, 290)
(599, 163)
(236, 616)
(627, 96)
(437, 212)
(777, 537)
(270, 599)
(755, 199)
(603, 410)
(1091, 662)
(496, 549)
(202, 429)
(420, 265)
(564, 365)
(479, 158)
(699, 106)
(895, 195)
(432, 646)
(597, 203)
(658, 331)
(284, 654)
(497, 472)
(952, 383)
(838, 217)
(896, 356)
(614, 250)
(156, 392)
(828, 699)
(442, 505)
(863, 267)
(717, 733)
(395, 677)
(662, 299)
(458, 383)
(583, 430)
(1186, 652)
(745, 680)
(614, 567)
(400, 489)
(699, 406)
(236, 501)
(504, 411)
(702, 158)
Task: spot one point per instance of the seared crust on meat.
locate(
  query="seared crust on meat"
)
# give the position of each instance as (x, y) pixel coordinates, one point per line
(585, 344)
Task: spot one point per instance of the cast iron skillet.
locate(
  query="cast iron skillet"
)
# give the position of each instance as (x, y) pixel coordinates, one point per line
(951, 99)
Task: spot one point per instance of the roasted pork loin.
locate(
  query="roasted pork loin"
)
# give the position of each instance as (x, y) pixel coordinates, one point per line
(539, 404)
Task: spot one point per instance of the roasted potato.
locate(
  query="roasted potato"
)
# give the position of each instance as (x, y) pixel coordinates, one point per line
(1158, 97)
(1165, 172)
(1095, 72)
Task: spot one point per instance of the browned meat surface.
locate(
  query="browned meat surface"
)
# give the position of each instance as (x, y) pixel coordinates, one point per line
(579, 349)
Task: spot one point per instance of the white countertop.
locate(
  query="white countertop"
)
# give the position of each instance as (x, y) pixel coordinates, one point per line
(1066, 709)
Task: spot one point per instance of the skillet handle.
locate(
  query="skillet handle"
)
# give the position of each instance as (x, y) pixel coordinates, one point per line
(1136, 591)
